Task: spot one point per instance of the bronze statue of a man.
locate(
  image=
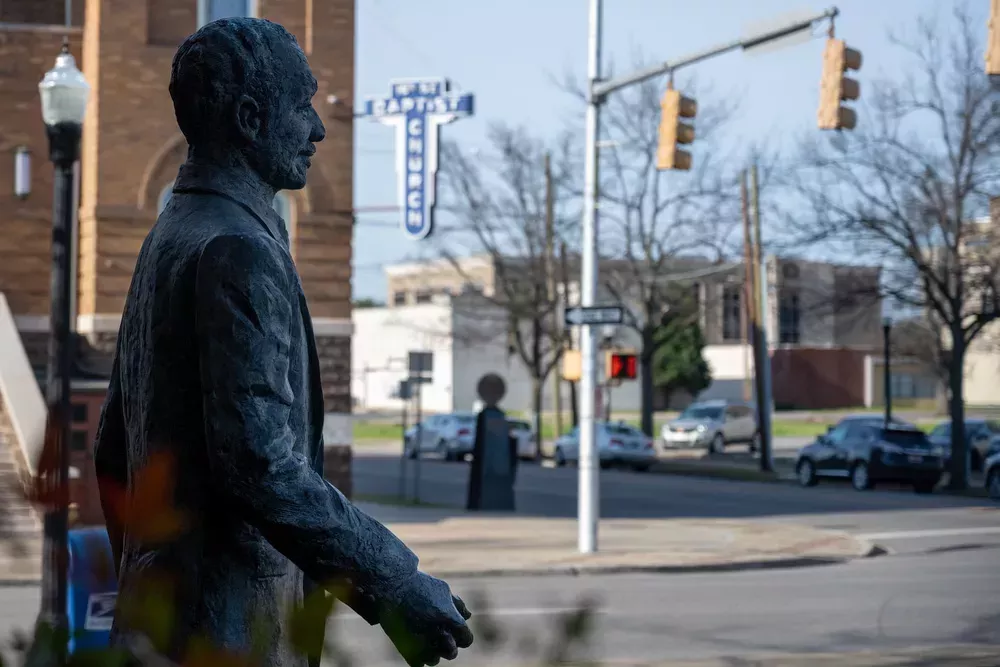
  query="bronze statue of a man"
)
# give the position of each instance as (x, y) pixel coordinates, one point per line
(216, 368)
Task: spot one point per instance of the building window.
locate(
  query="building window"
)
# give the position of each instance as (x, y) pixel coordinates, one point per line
(79, 413)
(78, 441)
(213, 10)
(732, 312)
(423, 296)
(399, 298)
(789, 318)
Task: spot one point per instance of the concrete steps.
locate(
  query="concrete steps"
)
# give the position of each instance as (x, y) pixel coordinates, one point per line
(20, 526)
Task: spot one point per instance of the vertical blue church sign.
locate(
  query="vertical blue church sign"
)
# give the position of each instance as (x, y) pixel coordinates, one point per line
(417, 108)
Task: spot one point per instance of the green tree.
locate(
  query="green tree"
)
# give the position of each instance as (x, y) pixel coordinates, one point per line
(367, 302)
(678, 363)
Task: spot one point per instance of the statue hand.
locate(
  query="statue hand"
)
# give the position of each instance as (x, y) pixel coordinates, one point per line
(425, 622)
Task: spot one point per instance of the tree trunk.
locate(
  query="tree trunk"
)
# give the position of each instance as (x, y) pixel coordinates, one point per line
(537, 387)
(573, 406)
(646, 380)
(959, 466)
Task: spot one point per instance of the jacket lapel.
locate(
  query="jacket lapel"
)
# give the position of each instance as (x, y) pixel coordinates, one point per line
(316, 408)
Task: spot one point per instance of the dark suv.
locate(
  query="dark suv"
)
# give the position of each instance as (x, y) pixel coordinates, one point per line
(867, 452)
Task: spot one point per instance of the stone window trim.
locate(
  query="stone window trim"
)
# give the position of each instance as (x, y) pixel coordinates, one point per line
(206, 9)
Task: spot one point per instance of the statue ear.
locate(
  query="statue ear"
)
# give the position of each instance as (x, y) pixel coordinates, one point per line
(249, 118)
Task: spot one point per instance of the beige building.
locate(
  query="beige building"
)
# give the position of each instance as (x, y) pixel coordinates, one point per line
(811, 304)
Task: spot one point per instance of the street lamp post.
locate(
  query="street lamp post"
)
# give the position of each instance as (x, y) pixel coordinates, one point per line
(886, 368)
(64, 94)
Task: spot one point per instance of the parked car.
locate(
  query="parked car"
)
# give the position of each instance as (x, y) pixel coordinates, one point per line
(867, 452)
(450, 436)
(712, 424)
(991, 474)
(979, 435)
(617, 444)
(527, 446)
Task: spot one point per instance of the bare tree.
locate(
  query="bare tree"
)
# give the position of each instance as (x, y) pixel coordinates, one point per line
(908, 190)
(661, 233)
(497, 200)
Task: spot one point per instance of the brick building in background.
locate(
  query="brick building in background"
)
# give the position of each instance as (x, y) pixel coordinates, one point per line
(130, 154)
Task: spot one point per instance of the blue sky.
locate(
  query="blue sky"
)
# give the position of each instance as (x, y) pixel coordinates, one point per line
(507, 53)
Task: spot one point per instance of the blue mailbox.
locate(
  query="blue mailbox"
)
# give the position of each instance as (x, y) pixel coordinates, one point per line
(92, 589)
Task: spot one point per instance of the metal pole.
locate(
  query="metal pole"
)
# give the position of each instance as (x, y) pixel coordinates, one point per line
(587, 498)
(767, 452)
(749, 294)
(402, 457)
(420, 442)
(761, 362)
(887, 371)
(64, 142)
(550, 286)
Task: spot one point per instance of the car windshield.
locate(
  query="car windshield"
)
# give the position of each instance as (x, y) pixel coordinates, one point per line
(702, 412)
(905, 438)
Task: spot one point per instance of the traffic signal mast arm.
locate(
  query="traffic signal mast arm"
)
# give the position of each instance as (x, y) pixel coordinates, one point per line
(601, 89)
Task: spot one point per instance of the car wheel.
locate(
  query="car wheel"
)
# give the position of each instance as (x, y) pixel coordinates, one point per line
(442, 451)
(860, 478)
(605, 465)
(924, 487)
(559, 457)
(640, 467)
(718, 444)
(805, 472)
(993, 484)
(755, 443)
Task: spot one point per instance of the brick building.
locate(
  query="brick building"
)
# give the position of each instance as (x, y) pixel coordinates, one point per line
(130, 154)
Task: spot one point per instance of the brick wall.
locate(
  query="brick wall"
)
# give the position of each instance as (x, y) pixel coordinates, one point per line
(816, 379)
(335, 368)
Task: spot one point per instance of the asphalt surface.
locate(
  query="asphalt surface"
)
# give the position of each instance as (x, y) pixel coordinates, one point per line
(924, 597)
(937, 585)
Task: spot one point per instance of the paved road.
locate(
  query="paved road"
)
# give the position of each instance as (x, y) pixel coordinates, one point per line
(552, 492)
(921, 597)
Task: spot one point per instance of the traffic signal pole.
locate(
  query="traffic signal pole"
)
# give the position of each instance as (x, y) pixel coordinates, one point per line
(588, 498)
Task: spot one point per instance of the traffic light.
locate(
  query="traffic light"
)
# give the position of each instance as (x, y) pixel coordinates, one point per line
(993, 40)
(621, 366)
(673, 107)
(835, 87)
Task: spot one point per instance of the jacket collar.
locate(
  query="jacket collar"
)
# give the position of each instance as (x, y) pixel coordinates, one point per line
(236, 185)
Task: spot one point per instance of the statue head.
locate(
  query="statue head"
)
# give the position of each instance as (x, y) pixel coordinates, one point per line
(242, 92)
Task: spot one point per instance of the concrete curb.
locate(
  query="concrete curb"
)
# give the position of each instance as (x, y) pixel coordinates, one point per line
(869, 550)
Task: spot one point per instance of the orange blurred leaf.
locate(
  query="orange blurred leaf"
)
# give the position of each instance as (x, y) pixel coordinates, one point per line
(146, 510)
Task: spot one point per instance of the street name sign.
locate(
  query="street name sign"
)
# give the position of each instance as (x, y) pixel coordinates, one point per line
(594, 315)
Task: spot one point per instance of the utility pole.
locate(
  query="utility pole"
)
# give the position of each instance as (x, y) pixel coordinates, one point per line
(550, 278)
(749, 293)
(564, 266)
(760, 342)
(597, 91)
(588, 499)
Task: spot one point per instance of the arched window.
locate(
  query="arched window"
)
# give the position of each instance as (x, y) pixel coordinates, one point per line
(211, 10)
(165, 195)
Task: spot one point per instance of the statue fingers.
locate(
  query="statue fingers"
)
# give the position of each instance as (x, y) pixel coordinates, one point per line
(460, 606)
(462, 635)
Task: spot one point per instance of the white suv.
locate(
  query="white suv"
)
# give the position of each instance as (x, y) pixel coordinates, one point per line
(712, 424)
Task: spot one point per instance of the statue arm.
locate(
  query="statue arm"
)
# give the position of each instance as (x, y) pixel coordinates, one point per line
(111, 462)
(244, 316)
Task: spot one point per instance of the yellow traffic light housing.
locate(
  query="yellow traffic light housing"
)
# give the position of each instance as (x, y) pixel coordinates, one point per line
(835, 87)
(621, 365)
(993, 40)
(673, 107)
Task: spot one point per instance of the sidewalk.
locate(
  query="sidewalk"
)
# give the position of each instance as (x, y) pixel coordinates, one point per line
(458, 544)
(974, 655)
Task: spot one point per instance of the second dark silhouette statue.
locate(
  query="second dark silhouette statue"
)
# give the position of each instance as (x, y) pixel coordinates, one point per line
(216, 368)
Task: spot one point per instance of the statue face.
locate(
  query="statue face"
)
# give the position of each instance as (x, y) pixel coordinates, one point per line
(292, 129)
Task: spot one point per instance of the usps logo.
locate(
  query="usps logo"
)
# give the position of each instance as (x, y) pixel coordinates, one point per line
(100, 612)
(417, 108)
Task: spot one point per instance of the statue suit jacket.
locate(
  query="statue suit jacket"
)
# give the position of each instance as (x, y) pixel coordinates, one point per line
(216, 367)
